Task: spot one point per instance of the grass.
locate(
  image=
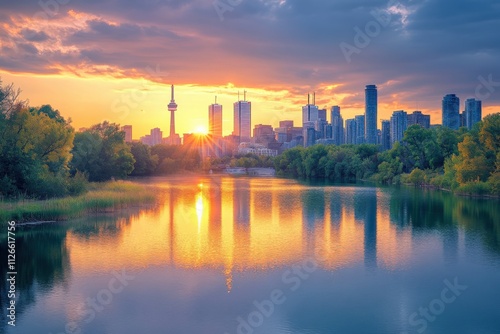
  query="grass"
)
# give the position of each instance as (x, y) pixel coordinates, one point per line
(102, 197)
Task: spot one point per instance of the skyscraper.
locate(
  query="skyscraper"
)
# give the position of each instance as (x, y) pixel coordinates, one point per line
(243, 119)
(128, 133)
(385, 140)
(418, 118)
(360, 129)
(451, 111)
(215, 119)
(370, 126)
(350, 131)
(310, 112)
(473, 112)
(337, 126)
(399, 124)
(309, 134)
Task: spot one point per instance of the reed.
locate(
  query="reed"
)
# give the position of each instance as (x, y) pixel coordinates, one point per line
(102, 197)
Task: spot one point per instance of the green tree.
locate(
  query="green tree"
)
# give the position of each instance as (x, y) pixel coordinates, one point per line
(101, 153)
(145, 162)
(34, 153)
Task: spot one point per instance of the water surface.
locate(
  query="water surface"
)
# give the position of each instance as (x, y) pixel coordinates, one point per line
(260, 255)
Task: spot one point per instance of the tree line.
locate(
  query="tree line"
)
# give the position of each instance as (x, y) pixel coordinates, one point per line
(41, 155)
(466, 162)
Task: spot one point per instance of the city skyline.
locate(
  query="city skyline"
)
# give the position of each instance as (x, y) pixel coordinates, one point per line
(71, 55)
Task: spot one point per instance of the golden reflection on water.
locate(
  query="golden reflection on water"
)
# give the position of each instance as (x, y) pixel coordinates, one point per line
(235, 224)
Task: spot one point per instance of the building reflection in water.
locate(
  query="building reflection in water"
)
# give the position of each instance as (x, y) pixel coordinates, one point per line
(235, 224)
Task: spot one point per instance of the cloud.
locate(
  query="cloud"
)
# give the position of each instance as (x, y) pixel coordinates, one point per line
(430, 48)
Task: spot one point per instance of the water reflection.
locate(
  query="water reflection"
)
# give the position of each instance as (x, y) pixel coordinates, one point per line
(233, 225)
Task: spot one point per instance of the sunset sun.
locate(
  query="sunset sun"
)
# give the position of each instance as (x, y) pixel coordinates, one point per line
(201, 130)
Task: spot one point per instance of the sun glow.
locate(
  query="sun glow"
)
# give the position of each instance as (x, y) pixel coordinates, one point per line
(201, 130)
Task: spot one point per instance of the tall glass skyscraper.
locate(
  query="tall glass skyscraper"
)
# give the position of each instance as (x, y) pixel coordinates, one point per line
(451, 111)
(337, 126)
(243, 120)
(385, 139)
(370, 130)
(399, 124)
(350, 131)
(473, 112)
(215, 120)
(360, 129)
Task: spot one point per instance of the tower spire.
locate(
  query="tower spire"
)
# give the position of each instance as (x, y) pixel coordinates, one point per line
(172, 107)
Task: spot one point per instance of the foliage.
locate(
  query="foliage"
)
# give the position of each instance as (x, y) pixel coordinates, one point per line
(467, 162)
(145, 162)
(337, 163)
(172, 158)
(101, 197)
(101, 153)
(35, 147)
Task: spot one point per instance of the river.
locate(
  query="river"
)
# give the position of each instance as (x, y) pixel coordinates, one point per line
(225, 255)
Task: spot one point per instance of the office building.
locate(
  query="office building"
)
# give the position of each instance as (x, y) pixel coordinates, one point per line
(370, 126)
(215, 120)
(263, 134)
(243, 119)
(385, 136)
(473, 112)
(310, 112)
(350, 131)
(451, 111)
(360, 129)
(337, 126)
(399, 124)
(309, 134)
(128, 133)
(418, 118)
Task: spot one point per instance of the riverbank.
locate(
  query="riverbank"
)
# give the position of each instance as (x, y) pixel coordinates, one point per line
(102, 197)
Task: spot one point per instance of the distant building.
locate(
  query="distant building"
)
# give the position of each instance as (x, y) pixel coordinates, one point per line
(263, 134)
(329, 132)
(418, 118)
(451, 111)
(320, 126)
(284, 131)
(310, 112)
(337, 126)
(309, 134)
(154, 138)
(385, 136)
(243, 119)
(360, 129)
(399, 124)
(286, 124)
(128, 133)
(370, 117)
(462, 119)
(215, 120)
(246, 148)
(322, 114)
(473, 112)
(350, 131)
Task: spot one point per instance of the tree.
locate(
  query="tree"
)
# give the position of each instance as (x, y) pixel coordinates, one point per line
(145, 162)
(34, 154)
(101, 153)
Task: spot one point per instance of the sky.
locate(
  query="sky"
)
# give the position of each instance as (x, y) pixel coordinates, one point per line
(115, 60)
